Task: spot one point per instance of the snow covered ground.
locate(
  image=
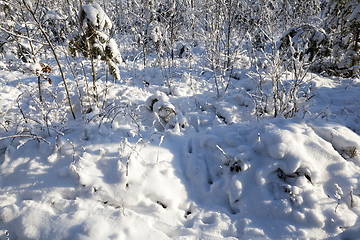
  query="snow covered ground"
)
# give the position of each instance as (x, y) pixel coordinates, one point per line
(186, 165)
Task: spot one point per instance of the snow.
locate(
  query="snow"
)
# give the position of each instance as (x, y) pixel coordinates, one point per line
(354, 15)
(187, 165)
(97, 17)
(114, 50)
(28, 3)
(52, 15)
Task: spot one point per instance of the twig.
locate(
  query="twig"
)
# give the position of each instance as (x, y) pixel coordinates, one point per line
(223, 152)
(357, 76)
(337, 205)
(127, 165)
(28, 136)
(21, 36)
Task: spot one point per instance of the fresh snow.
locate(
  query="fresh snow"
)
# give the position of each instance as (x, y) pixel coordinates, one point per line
(97, 17)
(187, 165)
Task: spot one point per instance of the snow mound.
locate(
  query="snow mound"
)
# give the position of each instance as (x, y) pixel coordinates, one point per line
(288, 180)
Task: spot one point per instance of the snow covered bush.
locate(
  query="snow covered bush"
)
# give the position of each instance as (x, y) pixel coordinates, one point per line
(309, 42)
(160, 105)
(56, 24)
(166, 116)
(15, 51)
(343, 24)
(29, 34)
(282, 86)
(42, 121)
(93, 39)
(296, 12)
(156, 36)
(144, 27)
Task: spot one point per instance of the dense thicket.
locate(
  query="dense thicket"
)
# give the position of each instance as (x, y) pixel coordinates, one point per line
(317, 35)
